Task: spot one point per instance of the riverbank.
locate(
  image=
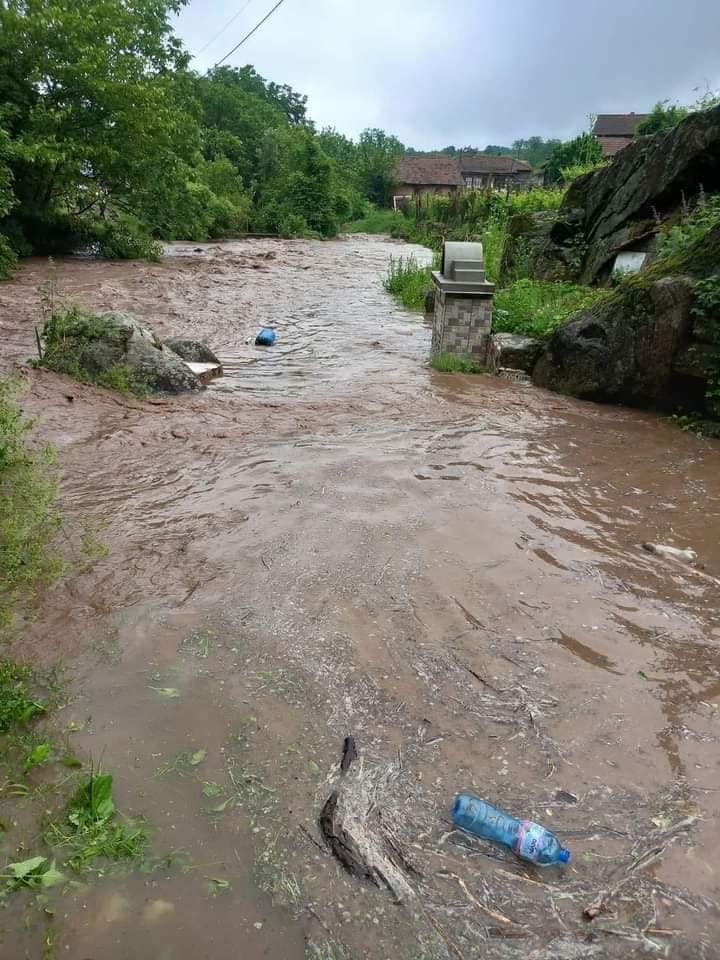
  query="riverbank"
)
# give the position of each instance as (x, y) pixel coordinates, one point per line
(335, 540)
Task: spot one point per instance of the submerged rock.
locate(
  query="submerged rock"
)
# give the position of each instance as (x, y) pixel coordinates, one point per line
(514, 352)
(114, 349)
(191, 350)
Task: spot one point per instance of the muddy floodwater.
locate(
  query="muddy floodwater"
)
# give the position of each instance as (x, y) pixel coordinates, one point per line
(334, 540)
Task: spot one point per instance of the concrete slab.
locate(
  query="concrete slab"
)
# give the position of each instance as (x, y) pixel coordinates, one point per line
(205, 372)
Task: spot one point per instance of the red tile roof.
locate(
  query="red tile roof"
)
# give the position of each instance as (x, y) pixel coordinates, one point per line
(611, 146)
(618, 124)
(430, 172)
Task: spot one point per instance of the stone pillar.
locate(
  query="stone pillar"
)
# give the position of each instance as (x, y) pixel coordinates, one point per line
(462, 321)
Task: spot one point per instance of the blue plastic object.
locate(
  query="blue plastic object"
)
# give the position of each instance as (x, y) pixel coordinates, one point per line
(266, 337)
(526, 839)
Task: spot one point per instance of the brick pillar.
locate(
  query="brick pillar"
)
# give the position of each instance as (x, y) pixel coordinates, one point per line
(462, 323)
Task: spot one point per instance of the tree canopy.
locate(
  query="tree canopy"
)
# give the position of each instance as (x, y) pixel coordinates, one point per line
(109, 140)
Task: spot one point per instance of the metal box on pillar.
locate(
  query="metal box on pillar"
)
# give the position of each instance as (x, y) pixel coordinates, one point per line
(463, 303)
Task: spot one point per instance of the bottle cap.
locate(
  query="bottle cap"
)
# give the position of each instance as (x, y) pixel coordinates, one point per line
(564, 856)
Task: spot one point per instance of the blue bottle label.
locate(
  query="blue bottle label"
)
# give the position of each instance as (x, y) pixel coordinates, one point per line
(529, 840)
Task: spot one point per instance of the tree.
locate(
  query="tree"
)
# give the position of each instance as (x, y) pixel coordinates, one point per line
(378, 155)
(582, 152)
(663, 116)
(7, 202)
(89, 100)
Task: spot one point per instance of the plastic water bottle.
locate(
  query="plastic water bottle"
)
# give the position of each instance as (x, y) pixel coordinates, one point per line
(528, 840)
(266, 337)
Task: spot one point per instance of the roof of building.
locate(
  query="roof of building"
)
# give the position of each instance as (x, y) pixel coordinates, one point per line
(489, 163)
(430, 171)
(618, 124)
(611, 146)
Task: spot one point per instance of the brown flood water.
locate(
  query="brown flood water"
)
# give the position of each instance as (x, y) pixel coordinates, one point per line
(334, 540)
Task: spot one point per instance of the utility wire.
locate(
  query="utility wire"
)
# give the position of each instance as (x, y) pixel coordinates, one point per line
(227, 26)
(248, 35)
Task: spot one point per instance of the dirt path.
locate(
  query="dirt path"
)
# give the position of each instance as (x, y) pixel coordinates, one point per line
(334, 540)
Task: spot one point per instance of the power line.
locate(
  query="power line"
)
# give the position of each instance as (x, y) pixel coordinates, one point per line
(248, 35)
(227, 26)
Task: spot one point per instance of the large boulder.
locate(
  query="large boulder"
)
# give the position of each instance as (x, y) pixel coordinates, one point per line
(623, 348)
(622, 206)
(96, 346)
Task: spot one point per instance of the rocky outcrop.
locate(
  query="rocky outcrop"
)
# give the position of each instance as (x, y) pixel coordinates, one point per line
(114, 348)
(622, 206)
(623, 348)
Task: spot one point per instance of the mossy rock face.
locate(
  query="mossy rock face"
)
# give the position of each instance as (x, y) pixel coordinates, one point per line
(92, 346)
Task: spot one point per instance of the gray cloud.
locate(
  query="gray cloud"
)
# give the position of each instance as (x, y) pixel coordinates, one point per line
(470, 71)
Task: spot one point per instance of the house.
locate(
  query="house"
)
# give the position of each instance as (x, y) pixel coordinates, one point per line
(488, 172)
(444, 175)
(614, 131)
(426, 175)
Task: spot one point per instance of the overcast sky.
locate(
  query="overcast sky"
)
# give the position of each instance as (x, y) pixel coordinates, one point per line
(439, 72)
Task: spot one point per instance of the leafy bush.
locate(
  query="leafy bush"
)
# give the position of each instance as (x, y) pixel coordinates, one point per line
(583, 151)
(124, 238)
(536, 307)
(7, 258)
(408, 281)
(663, 116)
(29, 518)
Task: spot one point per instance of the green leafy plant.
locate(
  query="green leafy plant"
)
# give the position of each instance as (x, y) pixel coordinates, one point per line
(37, 873)
(91, 830)
(38, 755)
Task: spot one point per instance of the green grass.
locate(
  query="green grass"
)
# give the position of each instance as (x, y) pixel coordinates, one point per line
(536, 307)
(18, 703)
(408, 281)
(452, 363)
(29, 516)
(376, 221)
(122, 378)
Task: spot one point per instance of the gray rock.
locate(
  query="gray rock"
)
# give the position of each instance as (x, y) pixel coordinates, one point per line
(621, 206)
(107, 340)
(430, 301)
(650, 178)
(191, 350)
(514, 352)
(621, 349)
